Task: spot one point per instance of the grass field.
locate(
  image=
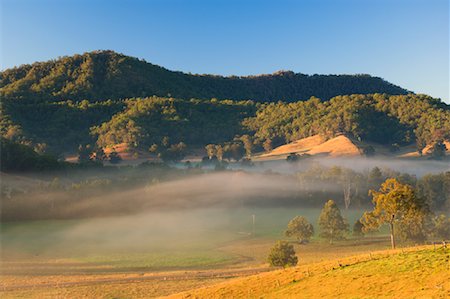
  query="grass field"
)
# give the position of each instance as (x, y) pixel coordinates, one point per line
(410, 273)
(159, 254)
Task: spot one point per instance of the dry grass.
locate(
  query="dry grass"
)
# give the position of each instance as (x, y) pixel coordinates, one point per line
(317, 145)
(299, 146)
(336, 147)
(416, 272)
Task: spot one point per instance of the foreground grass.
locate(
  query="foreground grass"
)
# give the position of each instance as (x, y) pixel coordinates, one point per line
(410, 273)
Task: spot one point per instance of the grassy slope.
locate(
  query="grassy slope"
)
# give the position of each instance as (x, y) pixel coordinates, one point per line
(414, 273)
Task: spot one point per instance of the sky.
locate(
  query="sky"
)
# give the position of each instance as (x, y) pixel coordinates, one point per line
(405, 42)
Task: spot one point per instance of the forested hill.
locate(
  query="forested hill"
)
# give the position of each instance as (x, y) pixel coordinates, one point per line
(102, 75)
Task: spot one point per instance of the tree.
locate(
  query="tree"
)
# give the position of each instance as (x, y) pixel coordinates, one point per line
(300, 228)
(438, 150)
(84, 153)
(176, 152)
(248, 144)
(292, 157)
(210, 150)
(267, 145)
(331, 223)
(282, 255)
(219, 152)
(114, 157)
(368, 151)
(99, 154)
(396, 204)
(358, 228)
(441, 227)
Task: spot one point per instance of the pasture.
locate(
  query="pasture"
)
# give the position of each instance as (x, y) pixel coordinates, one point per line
(156, 253)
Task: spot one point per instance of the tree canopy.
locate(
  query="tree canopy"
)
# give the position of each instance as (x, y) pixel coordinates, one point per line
(101, 75)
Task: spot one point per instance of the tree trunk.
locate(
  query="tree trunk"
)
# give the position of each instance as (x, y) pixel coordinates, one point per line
(347, 194)
(391, 227)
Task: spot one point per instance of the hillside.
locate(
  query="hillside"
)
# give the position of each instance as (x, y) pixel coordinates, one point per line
(102, 75)
(317, 145)
(60, 127)
(408, 274)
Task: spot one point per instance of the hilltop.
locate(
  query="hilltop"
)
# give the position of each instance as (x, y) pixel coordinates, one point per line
(410, 274)
(102, 75)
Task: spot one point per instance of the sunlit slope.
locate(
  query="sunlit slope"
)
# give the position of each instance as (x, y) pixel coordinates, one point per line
(414, 273)
(342, 146)
(318, 145)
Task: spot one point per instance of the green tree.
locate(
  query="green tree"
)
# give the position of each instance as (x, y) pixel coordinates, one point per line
(395, 204)
(84, 153)
(114, 157)
(282, 255)
(267, 145)
(300, 228)
(331, 223)
(100, 154)
(358, 228)
(248, 145)
(439, 150)
(441, 227)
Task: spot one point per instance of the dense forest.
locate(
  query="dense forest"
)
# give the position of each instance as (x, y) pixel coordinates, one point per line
(102, 75)
(58, 127)
(379, 118)
(103, 98)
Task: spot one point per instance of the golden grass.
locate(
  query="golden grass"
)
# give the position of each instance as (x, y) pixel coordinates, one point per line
(40, 277)
(298, 146)
(418, 272)
(317, 145)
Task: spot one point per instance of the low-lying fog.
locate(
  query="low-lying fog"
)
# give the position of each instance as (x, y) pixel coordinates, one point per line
(208, 209)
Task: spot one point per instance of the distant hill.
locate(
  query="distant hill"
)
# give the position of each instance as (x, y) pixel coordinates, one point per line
(102, 75)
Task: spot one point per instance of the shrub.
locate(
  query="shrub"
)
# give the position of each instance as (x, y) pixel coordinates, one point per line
(282, 255)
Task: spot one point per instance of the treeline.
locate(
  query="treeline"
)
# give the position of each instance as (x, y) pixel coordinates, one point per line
(18, 157)
(313, 187)
(350, 188)
(103, 75)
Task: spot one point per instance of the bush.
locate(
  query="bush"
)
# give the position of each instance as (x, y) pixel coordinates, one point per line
(282, 255)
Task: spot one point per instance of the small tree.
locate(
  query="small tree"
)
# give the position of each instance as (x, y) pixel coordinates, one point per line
(441, 227)
(248, 145)
(210, 150)
(84, 153)
(267, 145)
(397, 204)
(438, 150)
(219, 152)
(300, 228)
(292, 157)
(100, 154)
(332, 225)
(358, 228)
(114, 157)
(282, 255)
(368, 151)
